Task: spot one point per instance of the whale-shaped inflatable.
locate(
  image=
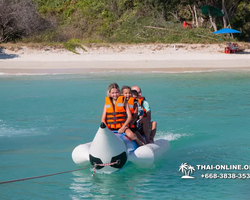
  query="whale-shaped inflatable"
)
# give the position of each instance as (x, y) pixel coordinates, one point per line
(107, 148)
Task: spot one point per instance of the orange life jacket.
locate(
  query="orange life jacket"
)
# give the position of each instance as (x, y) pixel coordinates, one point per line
(140, 101)
(131, 102)
(115, 114)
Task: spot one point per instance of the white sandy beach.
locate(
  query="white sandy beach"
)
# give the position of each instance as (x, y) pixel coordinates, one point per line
(151, 57)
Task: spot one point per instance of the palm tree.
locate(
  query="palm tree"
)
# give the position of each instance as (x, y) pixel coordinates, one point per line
(191, 170)
(183, 168)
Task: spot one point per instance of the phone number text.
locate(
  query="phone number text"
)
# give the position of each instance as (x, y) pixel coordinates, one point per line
(226, 176)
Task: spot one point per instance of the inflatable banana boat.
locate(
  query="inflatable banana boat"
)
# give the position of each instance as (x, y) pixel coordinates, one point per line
(110, 152)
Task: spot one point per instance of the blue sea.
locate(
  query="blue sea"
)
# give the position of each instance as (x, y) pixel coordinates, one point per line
(205, 116)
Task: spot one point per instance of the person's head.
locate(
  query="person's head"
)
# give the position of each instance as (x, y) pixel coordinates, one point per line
(134, 93)
(113, 91)
(138, 89)
(126, 92)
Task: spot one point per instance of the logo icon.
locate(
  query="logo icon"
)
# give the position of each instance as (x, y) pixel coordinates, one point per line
(187, 170)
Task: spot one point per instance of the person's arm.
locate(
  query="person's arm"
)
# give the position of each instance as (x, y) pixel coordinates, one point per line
(103, 119)
(129, 118)
(148, 115)
(148, 110)
(135, 116)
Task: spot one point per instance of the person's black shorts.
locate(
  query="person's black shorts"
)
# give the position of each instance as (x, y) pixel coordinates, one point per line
(135, 129)
(141, 131)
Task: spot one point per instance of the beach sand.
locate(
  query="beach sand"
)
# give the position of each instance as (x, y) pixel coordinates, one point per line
(96, 58)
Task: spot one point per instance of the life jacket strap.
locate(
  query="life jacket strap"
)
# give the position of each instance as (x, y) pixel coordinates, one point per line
(115, 113)
(115, 122)
(114, 118)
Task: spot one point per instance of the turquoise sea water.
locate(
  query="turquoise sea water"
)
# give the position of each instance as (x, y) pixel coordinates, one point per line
(43, 118)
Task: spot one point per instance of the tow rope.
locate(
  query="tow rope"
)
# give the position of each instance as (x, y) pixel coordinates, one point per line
(105, 164)
(46, 175)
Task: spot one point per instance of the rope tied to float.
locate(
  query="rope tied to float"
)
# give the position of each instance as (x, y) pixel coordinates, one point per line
(104, 164)
(46, 175)
(42, 176)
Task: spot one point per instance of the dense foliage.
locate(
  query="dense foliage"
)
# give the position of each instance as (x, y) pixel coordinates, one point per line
(133, 21)
(19, 18)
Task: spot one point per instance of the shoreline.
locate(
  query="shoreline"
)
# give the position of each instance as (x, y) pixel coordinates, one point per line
(124, 58)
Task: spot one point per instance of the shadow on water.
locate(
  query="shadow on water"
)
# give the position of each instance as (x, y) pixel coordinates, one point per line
(3, 55)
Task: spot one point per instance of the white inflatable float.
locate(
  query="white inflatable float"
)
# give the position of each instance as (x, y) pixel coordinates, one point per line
(108, 147)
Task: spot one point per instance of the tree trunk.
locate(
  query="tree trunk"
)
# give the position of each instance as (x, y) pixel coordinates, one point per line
(1, 34)
(211, 21)
(196, 19)
(224, 22)
(192, 12)
(225, 17)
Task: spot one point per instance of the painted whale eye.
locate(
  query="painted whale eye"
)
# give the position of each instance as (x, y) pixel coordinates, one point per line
(94, 161)
(121, 160)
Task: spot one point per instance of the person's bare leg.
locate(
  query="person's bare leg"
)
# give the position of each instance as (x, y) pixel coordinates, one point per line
(140, 137)
(133, 136)
(145, 128)
(153, 131)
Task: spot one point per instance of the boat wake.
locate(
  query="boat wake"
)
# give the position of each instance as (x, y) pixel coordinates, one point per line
(10, 131)
(171, 136)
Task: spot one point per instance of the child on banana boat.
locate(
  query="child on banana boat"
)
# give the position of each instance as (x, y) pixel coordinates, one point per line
(116, 113)
(133, 106)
